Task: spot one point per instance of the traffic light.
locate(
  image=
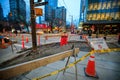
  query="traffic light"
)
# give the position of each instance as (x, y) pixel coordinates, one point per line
(38, 12)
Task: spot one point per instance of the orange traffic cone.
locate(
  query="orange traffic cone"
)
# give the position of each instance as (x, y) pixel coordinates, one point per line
(23, 44)
(27, 40)
(3, 44)
(90, 69)
(39, 40)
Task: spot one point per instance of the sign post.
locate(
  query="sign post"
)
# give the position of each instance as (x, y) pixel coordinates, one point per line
(32, 14)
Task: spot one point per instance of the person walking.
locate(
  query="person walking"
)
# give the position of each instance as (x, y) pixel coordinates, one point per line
(89, 33)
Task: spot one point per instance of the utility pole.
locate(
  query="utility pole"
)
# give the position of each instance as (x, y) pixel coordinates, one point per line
(32, 14)
(33, 25)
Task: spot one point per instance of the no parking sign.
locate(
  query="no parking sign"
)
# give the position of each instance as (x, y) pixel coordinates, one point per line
(98, 43)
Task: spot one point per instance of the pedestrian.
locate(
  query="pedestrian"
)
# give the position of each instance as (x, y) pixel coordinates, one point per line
(97, 33)
(89, 33)
(105, 34)
(16, 32)
(80, 33)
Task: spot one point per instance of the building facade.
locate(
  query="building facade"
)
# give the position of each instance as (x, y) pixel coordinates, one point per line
(18, 9)
(49, 10)
(1, 13)
(60, 16)
(83, 4)
(103, 14)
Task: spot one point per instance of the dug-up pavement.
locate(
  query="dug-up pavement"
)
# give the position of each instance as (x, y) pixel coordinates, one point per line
(107, 67)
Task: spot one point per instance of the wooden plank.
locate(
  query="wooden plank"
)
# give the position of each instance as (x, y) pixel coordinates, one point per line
(12, 71)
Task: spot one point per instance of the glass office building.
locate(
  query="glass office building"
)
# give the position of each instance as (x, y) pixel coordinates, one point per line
(102, 14)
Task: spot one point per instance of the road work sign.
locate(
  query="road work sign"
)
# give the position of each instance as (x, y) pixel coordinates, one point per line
(98, 43)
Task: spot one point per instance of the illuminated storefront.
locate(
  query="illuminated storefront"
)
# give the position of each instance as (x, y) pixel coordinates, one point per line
(103, 12)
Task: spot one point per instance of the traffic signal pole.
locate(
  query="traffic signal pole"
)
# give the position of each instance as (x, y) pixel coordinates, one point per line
(33, 25)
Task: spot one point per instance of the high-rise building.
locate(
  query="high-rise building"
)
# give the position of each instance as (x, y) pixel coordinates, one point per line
(103, 14)
(5, 6)
(83, 4)
(49, 10)
(1, 13)
(18, 9)
(60, 16)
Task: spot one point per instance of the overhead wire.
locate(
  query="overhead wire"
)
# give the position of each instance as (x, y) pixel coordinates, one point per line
(66, 6)
(59, 3)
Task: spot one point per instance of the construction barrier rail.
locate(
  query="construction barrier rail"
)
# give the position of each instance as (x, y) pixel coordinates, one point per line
(73, 64)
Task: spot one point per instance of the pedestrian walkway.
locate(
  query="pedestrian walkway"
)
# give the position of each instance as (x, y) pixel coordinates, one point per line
(107, 68)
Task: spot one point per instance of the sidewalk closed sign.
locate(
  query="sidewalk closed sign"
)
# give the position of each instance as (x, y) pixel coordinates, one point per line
(98, 43)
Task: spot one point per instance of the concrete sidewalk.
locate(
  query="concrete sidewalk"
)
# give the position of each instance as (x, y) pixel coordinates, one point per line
(107, 68)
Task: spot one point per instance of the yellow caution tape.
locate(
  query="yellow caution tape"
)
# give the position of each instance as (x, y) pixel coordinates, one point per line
(55, 72)
(72, 64)
(107, 50)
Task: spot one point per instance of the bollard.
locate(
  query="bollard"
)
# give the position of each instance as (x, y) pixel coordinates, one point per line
(38, 39)
(23, 45)
(27, 40)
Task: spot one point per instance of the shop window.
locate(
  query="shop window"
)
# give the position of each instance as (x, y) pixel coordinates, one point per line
(90, 16)
(103, 16)
(119, 3)
(108, 5)
(91, 7)
(107, 16)
(104, 5)
(98, 16)
(117, 15)
(95, 6)
(112, 15)
(94, 16)
(99, 6)
(114, 4)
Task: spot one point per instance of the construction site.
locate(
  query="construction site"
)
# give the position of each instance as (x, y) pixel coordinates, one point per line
(57, 60)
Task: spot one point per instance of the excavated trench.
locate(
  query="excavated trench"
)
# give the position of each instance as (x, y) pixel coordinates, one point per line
(48, 49)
